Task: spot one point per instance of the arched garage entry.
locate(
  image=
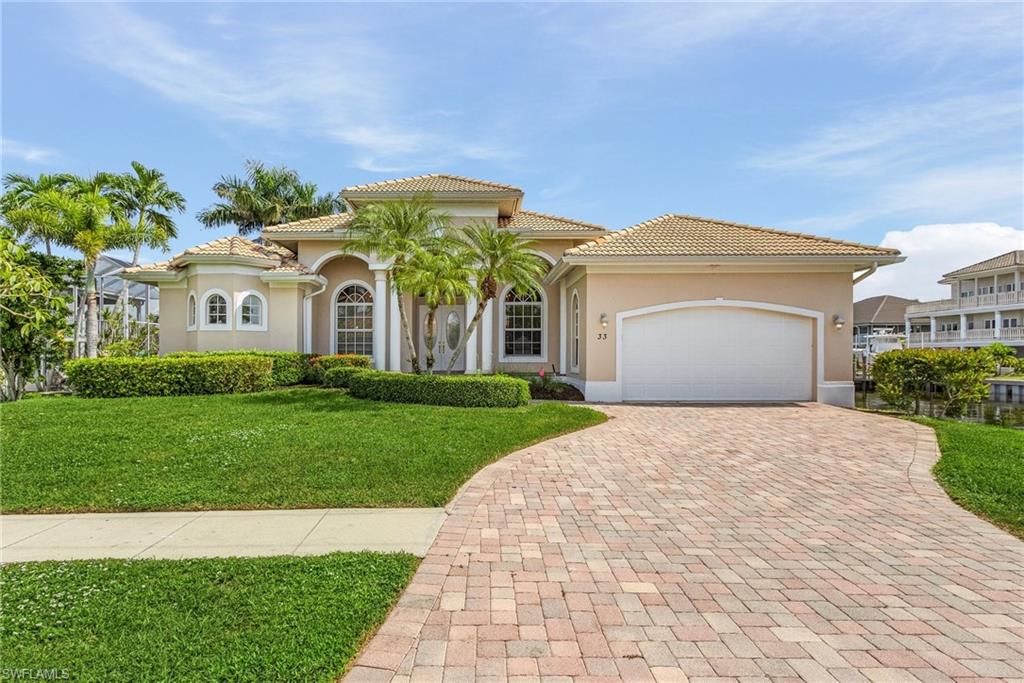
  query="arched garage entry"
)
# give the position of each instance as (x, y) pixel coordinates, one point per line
(718, 350)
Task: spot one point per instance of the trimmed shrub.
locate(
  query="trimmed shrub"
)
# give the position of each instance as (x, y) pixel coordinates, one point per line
(470, 391)
(290, 367)
(338, 377)
(168, 376)
(320, 364)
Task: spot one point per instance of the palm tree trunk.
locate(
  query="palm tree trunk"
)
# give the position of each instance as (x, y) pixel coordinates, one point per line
(470, 329)
(92, 321)
(76, 331)
(431, 337)
(46, 241)
(407, 330)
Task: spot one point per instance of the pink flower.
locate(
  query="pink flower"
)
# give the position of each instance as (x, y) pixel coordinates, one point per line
(541, 373)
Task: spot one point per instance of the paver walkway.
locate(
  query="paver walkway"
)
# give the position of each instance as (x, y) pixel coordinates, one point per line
(240, 533)
(712, 543)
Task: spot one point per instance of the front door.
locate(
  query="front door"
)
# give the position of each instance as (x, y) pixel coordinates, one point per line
(451, 325)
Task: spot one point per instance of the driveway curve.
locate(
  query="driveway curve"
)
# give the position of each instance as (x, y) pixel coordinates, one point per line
(674, 543)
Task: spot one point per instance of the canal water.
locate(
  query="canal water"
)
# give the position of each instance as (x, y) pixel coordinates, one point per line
(988, 412)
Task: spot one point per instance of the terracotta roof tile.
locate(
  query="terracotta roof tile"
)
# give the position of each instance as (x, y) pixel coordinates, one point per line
(273, 254)
(533, 220)
(335, 222)
(437, 183)
(1007, 260)
(680, 235)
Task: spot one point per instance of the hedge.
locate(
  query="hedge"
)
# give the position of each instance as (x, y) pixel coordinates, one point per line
(169, 376)
(290, 367)
(339, 377)
(319, 365)
(470, 391)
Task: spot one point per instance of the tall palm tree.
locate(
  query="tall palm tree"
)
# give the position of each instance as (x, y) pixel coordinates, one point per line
(501, 257)
(144, 198)
(266, 196)
(88, 222)
(21, 192)
(439, 274)
(395, 231)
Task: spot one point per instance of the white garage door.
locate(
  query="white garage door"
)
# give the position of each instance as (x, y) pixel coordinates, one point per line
(716, 354)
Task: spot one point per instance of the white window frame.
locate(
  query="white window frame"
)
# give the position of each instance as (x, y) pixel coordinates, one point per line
(216, 327)
(575, 334)
(264, 312)
(334, 312)
(543, 357)
(191, 312)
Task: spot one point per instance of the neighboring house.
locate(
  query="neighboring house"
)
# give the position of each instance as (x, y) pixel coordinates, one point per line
(879, 318)
(986, 305)
(143, 299)
(675, 308)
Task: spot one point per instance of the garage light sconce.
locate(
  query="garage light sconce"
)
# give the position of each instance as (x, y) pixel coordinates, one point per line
(838, 321)
(604, 320)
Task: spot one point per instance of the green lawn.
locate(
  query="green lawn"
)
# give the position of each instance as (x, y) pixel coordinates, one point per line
(291, 448)
(982, 469)
(265, 619)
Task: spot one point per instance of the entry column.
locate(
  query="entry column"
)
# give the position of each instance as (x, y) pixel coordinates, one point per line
(380, 297)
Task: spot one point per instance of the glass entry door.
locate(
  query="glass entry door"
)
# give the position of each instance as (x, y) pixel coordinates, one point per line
(451, 325)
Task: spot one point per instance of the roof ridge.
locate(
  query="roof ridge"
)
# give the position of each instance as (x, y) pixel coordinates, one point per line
(1018, 259)
(559, 218)
(424, 176)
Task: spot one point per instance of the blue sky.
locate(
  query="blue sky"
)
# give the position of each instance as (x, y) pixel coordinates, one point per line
(895, 123)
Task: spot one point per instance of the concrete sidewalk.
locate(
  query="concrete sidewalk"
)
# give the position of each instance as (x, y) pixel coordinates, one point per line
(241, 533)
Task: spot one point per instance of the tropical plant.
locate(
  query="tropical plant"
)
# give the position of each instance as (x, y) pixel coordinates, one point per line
(499, 257)
(394, 231)
(1004, 356)
(266, 196)
(20, 195)
(33, 318)
(439, 273)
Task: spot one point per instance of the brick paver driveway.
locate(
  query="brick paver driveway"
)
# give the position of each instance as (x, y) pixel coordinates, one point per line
(802, 542)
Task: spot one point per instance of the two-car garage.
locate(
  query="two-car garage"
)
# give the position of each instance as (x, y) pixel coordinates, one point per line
(716, 353)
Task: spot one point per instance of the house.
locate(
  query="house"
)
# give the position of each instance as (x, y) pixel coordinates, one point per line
(879, 319)
(985, 305)
(674, 308)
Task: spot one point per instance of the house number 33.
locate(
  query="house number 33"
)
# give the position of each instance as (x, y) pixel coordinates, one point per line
(602, 335)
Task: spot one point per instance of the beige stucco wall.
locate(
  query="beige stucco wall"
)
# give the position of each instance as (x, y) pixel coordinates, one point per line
(173, 336)
(343, 269)
(612, 293)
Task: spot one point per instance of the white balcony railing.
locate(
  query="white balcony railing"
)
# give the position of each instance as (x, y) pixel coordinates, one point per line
(967, 302)
(1007, 334)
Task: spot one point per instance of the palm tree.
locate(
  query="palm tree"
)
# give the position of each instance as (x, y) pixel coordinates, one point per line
(266, 196)
(439, 274)
(501, 257)
(21, 192)
(395, 231)
(145, 198)
(87, 221)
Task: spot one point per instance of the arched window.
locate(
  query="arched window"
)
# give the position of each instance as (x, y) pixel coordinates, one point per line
(575, 331)
(252, 311)
(216, 310)
(354, 320)
(191, 312)
(523, 325)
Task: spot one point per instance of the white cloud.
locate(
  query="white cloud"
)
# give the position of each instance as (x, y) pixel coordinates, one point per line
(32, 154)
(932, 250)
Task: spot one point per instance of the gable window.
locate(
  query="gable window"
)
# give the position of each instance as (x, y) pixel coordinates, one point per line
(252, 311)
(216, 310)
(575, 331)
(353, 308)
(191, 312)
(523, 325)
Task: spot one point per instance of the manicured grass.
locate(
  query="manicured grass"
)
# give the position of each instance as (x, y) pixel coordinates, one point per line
(288, 448)
(982, 469)
(251, 619)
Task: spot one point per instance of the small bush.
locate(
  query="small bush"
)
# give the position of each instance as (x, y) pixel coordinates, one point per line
(469, 391)
(903, 376)
(169, 376)
(290, 367)
(321, 364)
(339, 377)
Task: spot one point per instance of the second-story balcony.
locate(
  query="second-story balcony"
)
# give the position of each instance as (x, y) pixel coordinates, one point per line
(967, 303)
(1007, 335)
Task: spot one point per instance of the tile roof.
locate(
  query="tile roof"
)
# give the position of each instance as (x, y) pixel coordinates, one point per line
(338, 221)
(1007, 260)
(275, 255)
(438, 183)
(680, 235)
(532, 220)
(882, 310)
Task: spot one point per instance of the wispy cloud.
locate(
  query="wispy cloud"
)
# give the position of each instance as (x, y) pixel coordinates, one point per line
(325, 82)
(32, 154)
